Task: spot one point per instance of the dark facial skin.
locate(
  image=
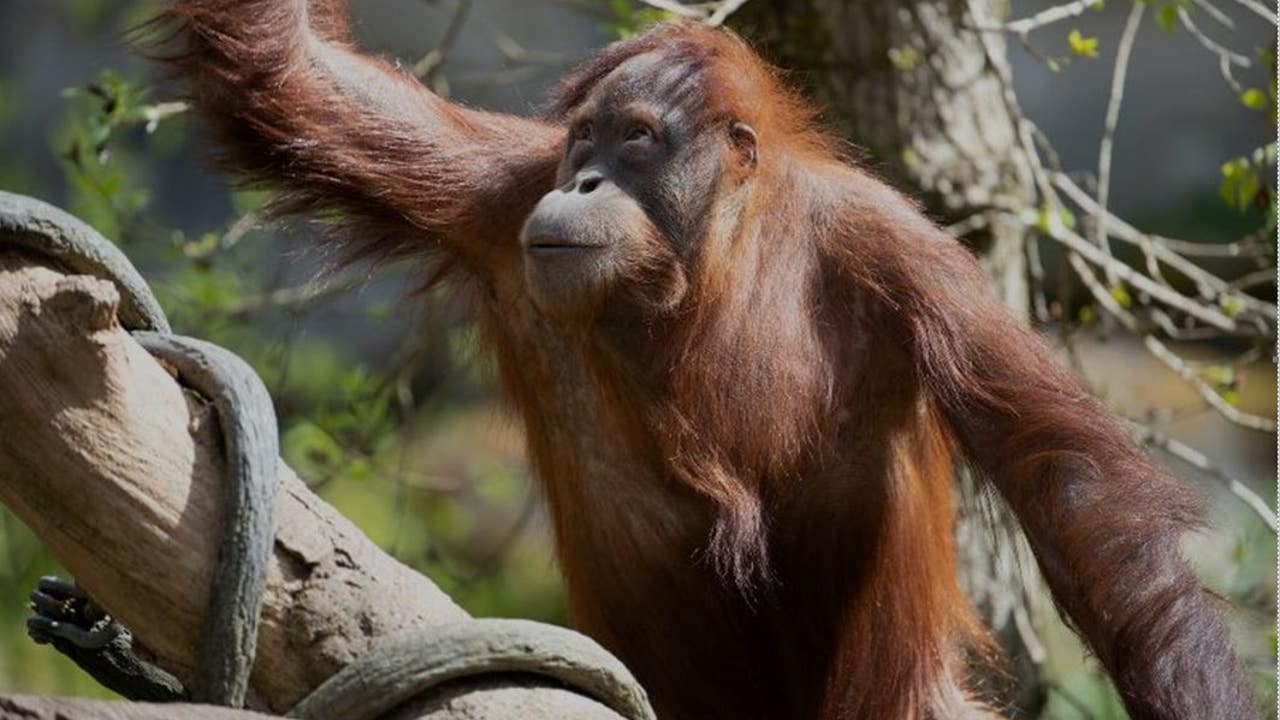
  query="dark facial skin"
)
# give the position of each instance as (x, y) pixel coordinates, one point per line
(635, 190)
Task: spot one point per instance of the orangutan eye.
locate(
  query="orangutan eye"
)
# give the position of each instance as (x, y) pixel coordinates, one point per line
(640, 132)
(584, 131)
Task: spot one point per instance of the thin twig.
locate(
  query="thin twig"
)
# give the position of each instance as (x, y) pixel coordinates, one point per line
(1102, 295)
(973, 223)
(514, 52)
(1035, 268)
(1031, 641)
(239, 229)
(295, 295)
(1121, 70)
(430, 67)
(1212, 11)
(1198, 460)
(1226, 56)
(722, 13)
(1257, 277)
(1141, 282)
(1207, 392)
(1042, 18)
(1208, 284)
(1259, 9)
(675, 8)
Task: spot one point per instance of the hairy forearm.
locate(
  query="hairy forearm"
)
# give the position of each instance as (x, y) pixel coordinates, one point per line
(295, 107)
(1104, 521)
(1105, 524)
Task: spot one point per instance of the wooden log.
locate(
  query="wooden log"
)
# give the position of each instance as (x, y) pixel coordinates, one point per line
(487, 700)
(118, 470)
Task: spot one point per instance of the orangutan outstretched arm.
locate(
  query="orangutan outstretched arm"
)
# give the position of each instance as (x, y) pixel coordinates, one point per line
(295, 107)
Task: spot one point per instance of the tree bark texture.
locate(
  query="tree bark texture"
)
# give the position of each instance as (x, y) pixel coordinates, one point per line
(910, 83)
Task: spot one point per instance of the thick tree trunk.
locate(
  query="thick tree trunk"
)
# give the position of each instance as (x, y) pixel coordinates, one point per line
(911, 83)
(118, 470)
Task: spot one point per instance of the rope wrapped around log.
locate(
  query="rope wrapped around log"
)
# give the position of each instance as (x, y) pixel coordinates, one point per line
(401, 667)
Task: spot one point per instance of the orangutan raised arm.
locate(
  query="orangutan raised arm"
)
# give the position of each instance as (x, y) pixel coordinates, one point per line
(294, 106)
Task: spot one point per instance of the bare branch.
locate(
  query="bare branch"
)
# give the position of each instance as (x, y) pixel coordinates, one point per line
(430, 68)
(1123, 52)
(1103, 295)
(1257, 277)
(1198, 460)
(1210, 285)
(1141, 282)
(296, 295)
(722, 13)
(1226, 56)
(1047, 17)
(675, 8)
(513, 52)
(1212, 11)
(1210, 395)
(1259, 9)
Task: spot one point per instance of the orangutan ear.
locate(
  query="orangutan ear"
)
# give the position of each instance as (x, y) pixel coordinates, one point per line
(743, 138)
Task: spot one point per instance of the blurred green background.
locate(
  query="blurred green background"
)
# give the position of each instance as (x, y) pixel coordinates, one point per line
(382, 406)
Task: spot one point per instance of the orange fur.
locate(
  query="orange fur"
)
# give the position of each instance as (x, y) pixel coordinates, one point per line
(751, 488)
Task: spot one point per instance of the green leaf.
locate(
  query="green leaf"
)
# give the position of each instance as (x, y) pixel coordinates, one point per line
(1254, 99)
(1265, 155)
(311, 450)
(1240, 551)
(1121, 295)
(1046, 222)
(904, 58)
(1081, 45)
(1230, 305)
(1241, 181)
(1167, 17)
(201, 248)
(1220, 375)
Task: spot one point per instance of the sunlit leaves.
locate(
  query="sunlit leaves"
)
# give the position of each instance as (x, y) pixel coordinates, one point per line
(904, 58)
(1254, 99)
(1243, 185)
(1081, 45)
(1121, 295)
(1225, 380)
(1047, 221)
(1167, 17)
(629, 19)
(312, 451)
(202, 248)
(1230, 305)
(104, 195)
